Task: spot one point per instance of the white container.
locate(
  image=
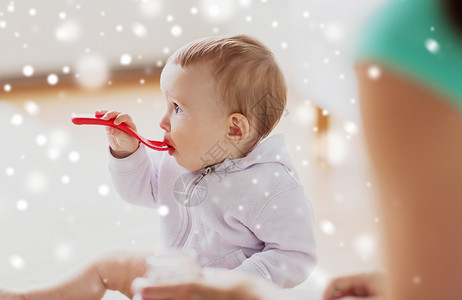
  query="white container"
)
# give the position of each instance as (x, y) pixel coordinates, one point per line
(173, 267)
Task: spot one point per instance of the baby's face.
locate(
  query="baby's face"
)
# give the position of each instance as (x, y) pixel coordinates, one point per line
(195, 124)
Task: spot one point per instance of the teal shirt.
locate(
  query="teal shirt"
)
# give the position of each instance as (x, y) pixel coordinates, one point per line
(415, 38)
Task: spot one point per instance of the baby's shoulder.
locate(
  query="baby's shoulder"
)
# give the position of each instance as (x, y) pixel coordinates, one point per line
(260, 181)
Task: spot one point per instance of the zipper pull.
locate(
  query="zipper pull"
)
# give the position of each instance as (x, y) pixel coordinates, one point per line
(206, 171)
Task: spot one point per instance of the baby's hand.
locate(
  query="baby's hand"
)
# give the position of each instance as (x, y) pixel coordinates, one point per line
(122, 144)
(364, 286)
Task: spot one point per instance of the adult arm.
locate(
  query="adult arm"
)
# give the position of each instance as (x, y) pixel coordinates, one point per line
(414, 136)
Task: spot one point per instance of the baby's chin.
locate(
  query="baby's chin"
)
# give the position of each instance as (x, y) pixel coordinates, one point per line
(187, 164)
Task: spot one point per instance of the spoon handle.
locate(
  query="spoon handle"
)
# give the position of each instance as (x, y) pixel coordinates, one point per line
(90, 119)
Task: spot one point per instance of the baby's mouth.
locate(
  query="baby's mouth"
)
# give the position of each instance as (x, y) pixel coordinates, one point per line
(166, 141)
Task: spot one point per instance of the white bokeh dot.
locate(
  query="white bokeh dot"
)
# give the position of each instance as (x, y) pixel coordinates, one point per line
(327, 227)
(52, 79)
(70, 219)
(17, 262)
(151, 8)
(351, 128)
(74, 156)
(63, 251)
(432, 45)
(364, 246)
(41, 140)
(28, 71)
(163, 210)
(176, 30)
(11, 7)
(7, 87)
(22, 205)
(32, 12)
(9, 171)
(139, 30)
(125, 59)
(103, 190)
(69, 31)
(374, 72)
(16, 120)
(31, 107)
(36, 181)
(59, 138)
(218, 11)
(65, 179)
(93, 71)
(53, 153)
(334, 32)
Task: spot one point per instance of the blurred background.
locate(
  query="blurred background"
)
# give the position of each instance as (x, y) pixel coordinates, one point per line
(58, 207)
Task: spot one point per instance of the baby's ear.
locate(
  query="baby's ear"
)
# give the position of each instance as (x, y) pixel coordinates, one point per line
(238, 127)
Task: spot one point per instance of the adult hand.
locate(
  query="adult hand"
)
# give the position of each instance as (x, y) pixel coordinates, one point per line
(215, 284)
(359, 286)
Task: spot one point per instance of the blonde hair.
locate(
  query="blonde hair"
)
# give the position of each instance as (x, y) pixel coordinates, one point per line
(248, 78)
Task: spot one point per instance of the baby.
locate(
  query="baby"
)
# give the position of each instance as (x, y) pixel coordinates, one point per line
(229, 192)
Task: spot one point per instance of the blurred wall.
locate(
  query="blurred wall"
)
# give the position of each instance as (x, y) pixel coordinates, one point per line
(312, 39)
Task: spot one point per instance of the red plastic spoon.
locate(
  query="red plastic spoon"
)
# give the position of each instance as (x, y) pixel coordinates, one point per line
(95, 119)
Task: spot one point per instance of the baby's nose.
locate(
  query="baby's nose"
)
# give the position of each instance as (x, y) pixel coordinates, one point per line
(165, 124)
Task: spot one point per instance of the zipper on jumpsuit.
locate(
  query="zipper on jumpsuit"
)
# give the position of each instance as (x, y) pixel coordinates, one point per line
(188, 197)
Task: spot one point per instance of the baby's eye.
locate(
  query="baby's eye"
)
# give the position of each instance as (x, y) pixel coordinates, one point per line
(178, 109)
